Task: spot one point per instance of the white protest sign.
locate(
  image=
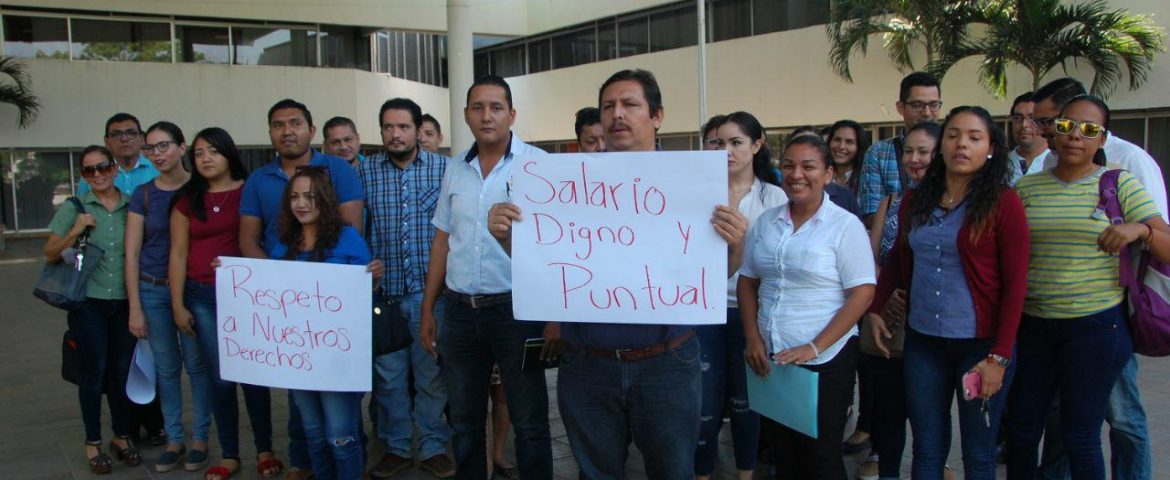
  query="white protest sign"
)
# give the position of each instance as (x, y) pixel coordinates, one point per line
(297, 325)
(619, 238)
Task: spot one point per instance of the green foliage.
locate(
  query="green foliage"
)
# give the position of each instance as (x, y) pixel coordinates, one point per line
(17, 91)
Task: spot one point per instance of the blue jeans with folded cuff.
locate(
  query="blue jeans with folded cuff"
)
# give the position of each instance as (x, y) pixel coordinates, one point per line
(471, 340)
(724, 383)
(397, 414)
(102, 331)
(200, 300)
(172, 351)
(605, 403)
(934, 378)
(333, 432)
(1079, 359)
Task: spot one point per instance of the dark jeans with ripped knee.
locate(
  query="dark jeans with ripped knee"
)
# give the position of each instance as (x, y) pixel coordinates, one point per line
(724, 384)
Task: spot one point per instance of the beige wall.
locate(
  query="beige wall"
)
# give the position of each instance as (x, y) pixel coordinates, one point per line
(79, 96)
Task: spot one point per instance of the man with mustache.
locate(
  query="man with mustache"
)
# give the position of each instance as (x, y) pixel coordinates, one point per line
(343, 141)
(124, 136)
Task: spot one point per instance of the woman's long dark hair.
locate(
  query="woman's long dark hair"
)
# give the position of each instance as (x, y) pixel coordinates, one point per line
(854, 182)
(985, 188)
(329, 220)
(762, 160)
(196, 188)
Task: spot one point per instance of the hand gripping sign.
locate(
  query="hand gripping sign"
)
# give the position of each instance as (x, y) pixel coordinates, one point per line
(619, 238)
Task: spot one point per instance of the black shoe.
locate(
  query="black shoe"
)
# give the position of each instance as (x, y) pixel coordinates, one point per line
(157, 438)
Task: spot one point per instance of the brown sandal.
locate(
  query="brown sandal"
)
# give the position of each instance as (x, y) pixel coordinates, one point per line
(100, 464)
(129, 455)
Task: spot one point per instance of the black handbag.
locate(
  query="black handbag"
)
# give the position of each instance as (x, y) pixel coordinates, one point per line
(62, 284)
(390, 331)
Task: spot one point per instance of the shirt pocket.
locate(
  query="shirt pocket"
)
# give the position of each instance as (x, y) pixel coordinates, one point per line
(819, 260)
(428, 199)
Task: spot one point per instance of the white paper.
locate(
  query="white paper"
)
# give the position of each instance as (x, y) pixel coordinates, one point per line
(297, 325)
(619, 238)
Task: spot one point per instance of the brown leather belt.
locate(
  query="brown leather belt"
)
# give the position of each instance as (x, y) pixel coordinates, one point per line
(636, 354)
(162, 282)
(480, 301)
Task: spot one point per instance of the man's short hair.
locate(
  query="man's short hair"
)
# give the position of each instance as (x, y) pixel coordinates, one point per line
(400, 103)
(917, 79)
(1024, 97)
(290, 103)
(649, 84)
(1060, 91)
(585, 117)
(430, 118)
(119, 118)
(337, 122)
(494, 80)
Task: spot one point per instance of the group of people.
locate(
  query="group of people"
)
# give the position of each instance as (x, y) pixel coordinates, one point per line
(1011, 234)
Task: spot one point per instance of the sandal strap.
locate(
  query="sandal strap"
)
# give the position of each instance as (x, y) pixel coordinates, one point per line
(219, 471)
(264, 466)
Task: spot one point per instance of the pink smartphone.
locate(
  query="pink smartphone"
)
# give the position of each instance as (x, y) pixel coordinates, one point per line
(972, 385)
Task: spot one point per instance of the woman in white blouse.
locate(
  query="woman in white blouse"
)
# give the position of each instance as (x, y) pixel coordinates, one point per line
(807, 276)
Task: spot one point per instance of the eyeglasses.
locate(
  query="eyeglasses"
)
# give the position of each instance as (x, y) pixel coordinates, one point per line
(93, 170)
(714, 143)
(1065, 126)
(1018, 118)
(162, 147)
(920, 106)
(124, 134)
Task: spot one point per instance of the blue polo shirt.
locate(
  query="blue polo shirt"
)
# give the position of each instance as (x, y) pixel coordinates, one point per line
(127, 180)
(264, 188)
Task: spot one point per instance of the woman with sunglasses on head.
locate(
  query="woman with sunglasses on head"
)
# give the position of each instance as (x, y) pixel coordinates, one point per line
(961, 255)
(753, 188)
(312, 230)
(1074, 338)
(205, 224)
(148, 249)
(100, 326)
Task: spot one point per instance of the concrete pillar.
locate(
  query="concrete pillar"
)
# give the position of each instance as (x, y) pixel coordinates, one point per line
(460, 70)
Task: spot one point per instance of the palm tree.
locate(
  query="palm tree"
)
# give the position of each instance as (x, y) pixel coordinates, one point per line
(1043, 34)
(17, 92)
(904, 25)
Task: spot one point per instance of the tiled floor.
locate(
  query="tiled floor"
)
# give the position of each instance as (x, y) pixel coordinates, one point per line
(42, 430)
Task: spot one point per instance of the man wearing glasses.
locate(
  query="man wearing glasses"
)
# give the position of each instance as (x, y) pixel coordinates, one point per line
(124, 139)
(1030, 144)
(919, 100)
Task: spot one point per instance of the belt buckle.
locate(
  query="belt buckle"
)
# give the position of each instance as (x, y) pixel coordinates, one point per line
(618, 353)
(472, 298)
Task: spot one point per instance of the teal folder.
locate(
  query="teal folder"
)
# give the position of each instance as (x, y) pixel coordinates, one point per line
(788, 396)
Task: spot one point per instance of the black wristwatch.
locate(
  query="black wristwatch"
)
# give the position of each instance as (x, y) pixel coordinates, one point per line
(1000, 360)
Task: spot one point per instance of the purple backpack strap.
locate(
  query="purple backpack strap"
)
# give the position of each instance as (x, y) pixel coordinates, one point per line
(1109, 203)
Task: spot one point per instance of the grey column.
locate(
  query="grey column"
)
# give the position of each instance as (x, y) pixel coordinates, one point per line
(460, 70)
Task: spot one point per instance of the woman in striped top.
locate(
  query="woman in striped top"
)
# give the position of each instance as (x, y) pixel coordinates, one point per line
(1073, 338)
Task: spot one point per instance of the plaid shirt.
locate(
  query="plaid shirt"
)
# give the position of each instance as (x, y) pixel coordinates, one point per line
(400, 204)
(881, 175)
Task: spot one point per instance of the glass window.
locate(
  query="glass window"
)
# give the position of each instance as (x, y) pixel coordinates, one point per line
(730, 19)
(633, 36)
(36, 37)
(508, 62)
(606, 43)
(438, 60)
(412, 53)
(539, 55)
(202, 44)
(122, 41)
(574, 48)
(482, 64)
(1132, 129)
(7, 194)
(769, 16)
(42, 183)
(344, 47)
(808, 13)
(778, 15)
(1159, 146)
(675, 143)
(274, 46)
(674, 29)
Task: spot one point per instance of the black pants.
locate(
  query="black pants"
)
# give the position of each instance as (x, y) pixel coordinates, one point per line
(889, 424)
(799, 457)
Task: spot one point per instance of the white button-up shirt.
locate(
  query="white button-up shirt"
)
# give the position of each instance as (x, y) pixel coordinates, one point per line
(804, 273)
(761, 197)
(476, 263)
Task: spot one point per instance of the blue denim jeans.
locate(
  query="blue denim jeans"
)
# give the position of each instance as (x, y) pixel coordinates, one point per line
(1129, 437)
(605, 403)
(332, 425)
(889, 413)
(102, 330)
(172, 351)
(470, 341)
(724, 383)
(397, 414)
(199, 298)
(1079, 359)
(934, 371)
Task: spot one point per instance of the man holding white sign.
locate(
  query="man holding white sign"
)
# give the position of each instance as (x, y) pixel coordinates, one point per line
(639, 379)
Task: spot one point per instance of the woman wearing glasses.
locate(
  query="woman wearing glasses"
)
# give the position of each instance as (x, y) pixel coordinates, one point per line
(100, 327)
(205, 224)
(1073, 338)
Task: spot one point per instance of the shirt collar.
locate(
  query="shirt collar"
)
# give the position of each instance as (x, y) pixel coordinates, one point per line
(317, 159)
(142, 162)
(785, 214)
(474, 150)
(90, 198)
